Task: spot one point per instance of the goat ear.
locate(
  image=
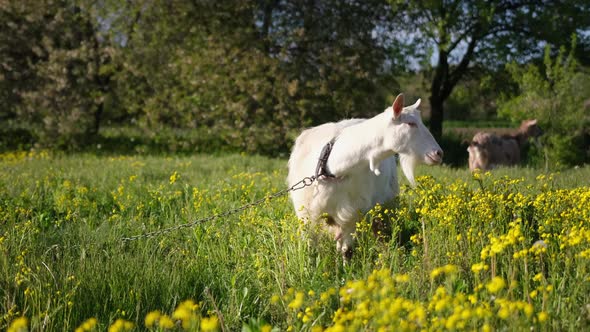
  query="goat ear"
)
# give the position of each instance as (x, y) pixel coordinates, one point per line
(398, 105)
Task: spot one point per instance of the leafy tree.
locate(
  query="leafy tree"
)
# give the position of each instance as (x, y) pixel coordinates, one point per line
(52, 74)
(463, 35)
(251, 73)
(556, 93)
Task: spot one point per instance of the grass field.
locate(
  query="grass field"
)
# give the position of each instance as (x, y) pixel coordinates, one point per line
(502, 251)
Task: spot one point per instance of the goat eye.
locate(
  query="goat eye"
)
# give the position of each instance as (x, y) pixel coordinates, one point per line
(412, 124)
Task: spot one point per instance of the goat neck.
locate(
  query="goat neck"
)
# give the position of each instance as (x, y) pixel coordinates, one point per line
(356, 145)
(520, 135)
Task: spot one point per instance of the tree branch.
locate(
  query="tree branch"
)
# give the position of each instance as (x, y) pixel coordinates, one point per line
(455, 75)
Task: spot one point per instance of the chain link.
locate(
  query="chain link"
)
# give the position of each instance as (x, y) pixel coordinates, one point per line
(305, 182)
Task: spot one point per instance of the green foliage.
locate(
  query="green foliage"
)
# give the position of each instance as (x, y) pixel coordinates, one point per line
(555, 93)
(250, 75)
(476, 36)
(474, 99)
(463, 252)
(253, 80)
(51, 77)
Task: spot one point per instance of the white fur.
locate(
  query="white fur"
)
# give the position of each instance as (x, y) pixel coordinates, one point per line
(363, 161)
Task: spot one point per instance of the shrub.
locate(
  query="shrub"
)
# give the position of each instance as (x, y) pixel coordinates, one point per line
(553, 93)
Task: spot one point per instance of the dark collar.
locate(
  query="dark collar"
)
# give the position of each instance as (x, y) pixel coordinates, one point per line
(321, 171)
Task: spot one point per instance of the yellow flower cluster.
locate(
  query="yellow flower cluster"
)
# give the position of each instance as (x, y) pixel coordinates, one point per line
(87, 325)
(121, 325)
(186, 315)
(174, 177)
(447, 269)
(487, 254)
(500, 234)
(377, 303)
(21, 156)
(20, 324)
(498, 244)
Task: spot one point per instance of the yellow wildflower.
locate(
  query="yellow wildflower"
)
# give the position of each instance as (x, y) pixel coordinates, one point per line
(496, 285)
(447, 269)
(185, 312)
(542, 316)
(210, 324)
(297, 301)
(19, 325)
(174, 177)
(87, 325)
(478, 267)
(165, 322)
(182, 313)
(151, 318)
(504, 313)
(120, 325)
(401, 278)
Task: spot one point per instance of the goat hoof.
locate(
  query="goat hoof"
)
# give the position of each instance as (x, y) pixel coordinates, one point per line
(347, 254)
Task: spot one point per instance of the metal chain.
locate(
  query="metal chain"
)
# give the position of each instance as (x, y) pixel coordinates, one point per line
(305, 182)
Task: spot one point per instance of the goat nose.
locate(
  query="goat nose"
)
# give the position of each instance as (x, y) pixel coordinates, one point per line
(439, 153)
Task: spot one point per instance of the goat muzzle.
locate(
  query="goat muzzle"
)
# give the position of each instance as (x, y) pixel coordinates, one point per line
(434, 157)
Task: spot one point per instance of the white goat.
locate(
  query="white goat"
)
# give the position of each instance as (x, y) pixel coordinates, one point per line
(360, 171)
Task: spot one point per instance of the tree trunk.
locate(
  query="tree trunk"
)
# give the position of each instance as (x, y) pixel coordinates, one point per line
(437, 96)
(97, 119)
(266, 25)
(436, 115)
(444, 81)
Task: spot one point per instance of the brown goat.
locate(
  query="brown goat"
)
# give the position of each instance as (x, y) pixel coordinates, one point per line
(489, 150)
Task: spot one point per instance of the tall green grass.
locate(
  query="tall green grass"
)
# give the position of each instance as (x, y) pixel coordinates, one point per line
(63, 218)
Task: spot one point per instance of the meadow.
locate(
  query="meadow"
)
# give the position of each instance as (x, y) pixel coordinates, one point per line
(508, 250)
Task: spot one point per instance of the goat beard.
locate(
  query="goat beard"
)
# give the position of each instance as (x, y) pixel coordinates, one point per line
(408, 164)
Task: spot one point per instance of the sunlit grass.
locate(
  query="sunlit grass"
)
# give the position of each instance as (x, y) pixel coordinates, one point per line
(507, 250)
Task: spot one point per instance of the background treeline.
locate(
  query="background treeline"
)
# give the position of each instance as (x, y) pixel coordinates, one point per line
(210, 76)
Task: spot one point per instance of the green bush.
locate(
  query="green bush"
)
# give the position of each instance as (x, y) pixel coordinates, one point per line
(554, 94)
